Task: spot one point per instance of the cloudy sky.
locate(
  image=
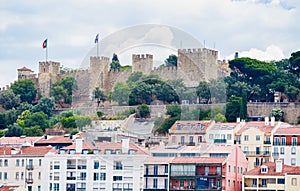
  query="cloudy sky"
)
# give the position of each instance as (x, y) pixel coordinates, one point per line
(262, 29)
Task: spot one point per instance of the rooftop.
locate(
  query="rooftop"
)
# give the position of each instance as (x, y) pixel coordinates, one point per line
(102, 146)
(272, 170)
(55, 139)
(199, 126)
(15, 141)
(197, 160)
(8, 188)
(224, 126)
(31, 150)
(288, 131)
(259, 125)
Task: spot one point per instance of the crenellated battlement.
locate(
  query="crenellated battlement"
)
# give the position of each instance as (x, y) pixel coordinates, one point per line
(94, 58)
(198, 51)
(136, 57)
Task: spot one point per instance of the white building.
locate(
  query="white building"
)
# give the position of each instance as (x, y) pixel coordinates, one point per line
(22, 166)
(102, 166)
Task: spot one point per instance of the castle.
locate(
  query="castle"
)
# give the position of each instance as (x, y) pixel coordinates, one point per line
(193, 66)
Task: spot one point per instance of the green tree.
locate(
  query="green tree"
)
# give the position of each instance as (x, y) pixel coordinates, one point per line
(294, 63)
(37, 119)
(143, 111)
(45, 105)
(291, 92)
(25, 89)
(14, 130)
(33, 131)
(100, 113)
(218, 90)
(173, 110)
(134, 77)
(120, 93)
(99, 95)
(2, 120)
(219, 118)
(233, 108)
(171, 60)
(10, 117)
(9, 100)
(203, 91)
(62, 90)
(277, 113)
(115, 63)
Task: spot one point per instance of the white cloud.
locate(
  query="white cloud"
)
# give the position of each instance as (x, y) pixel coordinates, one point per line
(272, 52)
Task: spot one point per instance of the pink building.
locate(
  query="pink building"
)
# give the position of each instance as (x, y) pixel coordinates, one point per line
(208, 173)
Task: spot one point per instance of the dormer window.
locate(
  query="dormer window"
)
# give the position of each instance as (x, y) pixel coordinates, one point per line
(72, 151)
(96, 151)
(131, 151)
(62, 151)
(107, 151)
(118, 151)
(264, 169)
(85, 151)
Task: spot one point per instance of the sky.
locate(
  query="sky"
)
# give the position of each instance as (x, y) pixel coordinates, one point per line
(261, 29)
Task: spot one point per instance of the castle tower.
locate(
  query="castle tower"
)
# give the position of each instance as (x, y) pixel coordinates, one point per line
(142, 63)
(97, 71)
(48, 74)
(197, 65)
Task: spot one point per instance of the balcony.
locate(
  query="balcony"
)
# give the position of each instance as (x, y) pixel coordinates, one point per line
(80, 167)
(29, 167)
(29, 180)
(257, 153)
(275, 154)
(237, 142)
(267, 142)
(220, 141)
(71, 178)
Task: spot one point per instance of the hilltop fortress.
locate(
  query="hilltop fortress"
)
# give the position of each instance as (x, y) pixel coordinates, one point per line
(193, 66)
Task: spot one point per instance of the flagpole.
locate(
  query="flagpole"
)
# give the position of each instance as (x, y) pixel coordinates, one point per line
(97, 48)
(46, 53)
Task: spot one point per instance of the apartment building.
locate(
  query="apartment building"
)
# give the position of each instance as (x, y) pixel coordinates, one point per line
(272, 176)
(156, 173)
(23, 166)
(208, 173)
(19, 141)
(222, 133)
(286, 145)
(92, 167)
(255, 139)
(188, 132)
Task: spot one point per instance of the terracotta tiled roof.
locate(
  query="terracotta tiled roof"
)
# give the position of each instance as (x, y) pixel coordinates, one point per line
(18, 140)
(190, 125)
(272, 170)
(5, 150)
(118, 146)
(258, 124)
(24, 69)
(8, 188)
(197, 160)
(85, 145)
(224, 126)
(36, 150)
(288, 131)
(55, 139)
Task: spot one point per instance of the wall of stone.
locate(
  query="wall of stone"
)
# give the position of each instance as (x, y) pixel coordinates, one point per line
(142, 63)
(166, 73)
(113, 77)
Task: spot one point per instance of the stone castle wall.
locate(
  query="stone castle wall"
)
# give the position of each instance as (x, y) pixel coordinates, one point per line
(166, 73)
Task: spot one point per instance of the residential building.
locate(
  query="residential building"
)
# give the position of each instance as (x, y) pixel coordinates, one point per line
(286, 145)
(23, 166)
(272, 176)
(208, 173)
(100, 166)
(55, 141)
(222, 133)
(156, 173)
(188, 132)
(255, 139)
(19, 141)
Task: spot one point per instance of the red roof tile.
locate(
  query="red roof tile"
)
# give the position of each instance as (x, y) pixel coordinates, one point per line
(272, 170)
(18, 140)
(118, 146)
(36, 150)
(197, 160)
(85, 145)
(24, 69)
(8, 188)
(288, 131)
(258, 124)
(55, 139)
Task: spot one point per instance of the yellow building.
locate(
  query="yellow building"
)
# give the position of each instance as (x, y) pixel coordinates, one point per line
(272, 176)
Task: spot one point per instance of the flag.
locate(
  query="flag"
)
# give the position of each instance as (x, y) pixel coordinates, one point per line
(45, 44)
(96, 39)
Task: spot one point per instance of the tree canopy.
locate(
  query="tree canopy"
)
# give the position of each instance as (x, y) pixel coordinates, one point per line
(25, 89)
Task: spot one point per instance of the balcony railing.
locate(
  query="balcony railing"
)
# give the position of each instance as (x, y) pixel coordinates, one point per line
(257, 153)
(267, 142)
(29, 167)
(203, 173)
(29, 180)
(220, 141)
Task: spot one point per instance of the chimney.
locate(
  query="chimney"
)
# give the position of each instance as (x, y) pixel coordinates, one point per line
(272, 121)
(266, 120)
(238, 120)
(125, 145)
(78, 143)
(278, 165)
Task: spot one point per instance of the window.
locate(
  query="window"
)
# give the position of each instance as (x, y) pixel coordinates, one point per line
(246, 149)
(166, 184)
(5, 175)
(117, 178)
(199, 139)
(234, 183)
(264, 182)
(17, 175)
(211, 136)
(39, 176)
(228, 168)
(254, 182)
(17, 162)
(293, 150)
(102, 176)
(96, 164)
(257, 138)
(234, 169)
(283, 141)
(155, 183)
(294, 141)
(182, 139)
(118, 166)
(282, 150)
(181, 184)
(246, 138)
(166, 168)
(294, 181)
(0, 175)
(155, 169)
(293, 161)
(23, 162)
(191, 139)
(229, 137)
(22, 175)
(5, 162)
(56, 187)
(56, 165)
(40, 162)
(0, 162)
(39, 188)
(280, 181)
(96, 176)
(276, 141)
(263, 169)
(228, 183)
